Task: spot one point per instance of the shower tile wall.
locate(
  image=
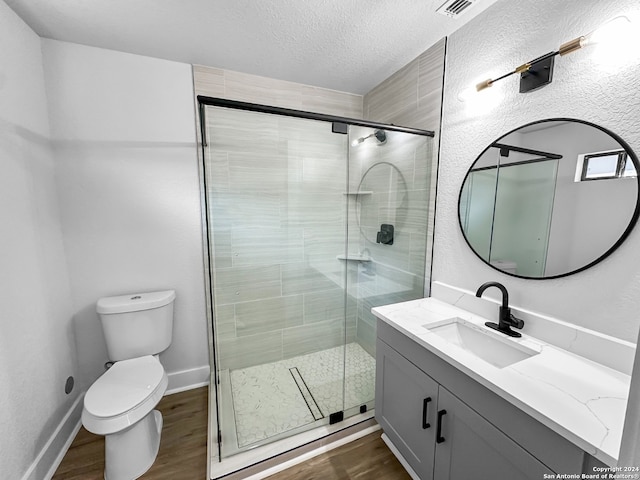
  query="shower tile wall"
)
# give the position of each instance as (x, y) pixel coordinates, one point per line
(248, 341)
(217, 82)
(395, 191)
(411, 97)
(278, 216)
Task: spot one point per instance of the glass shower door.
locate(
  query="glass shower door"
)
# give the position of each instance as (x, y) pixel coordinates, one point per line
(506, 207)
(308, 228)
(522, 217)
(276, 212)
(389, 194)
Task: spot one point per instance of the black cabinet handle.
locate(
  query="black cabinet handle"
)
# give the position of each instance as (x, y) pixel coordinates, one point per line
(439, 437)
(425, 409)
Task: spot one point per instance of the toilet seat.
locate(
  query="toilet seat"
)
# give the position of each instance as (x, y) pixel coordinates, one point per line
(123, 395)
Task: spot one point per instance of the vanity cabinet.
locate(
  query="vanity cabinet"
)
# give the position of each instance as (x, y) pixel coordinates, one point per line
(406, 401)
(484, 436)
(473, 448)
(439, 435)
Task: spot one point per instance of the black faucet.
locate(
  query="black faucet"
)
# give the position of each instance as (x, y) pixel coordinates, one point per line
(506, 320)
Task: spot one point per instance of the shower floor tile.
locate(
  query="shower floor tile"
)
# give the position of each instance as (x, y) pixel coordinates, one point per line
(323, 372)
(267, 401)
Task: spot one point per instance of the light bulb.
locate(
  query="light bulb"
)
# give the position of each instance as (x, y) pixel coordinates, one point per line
(469, 92)
(615, 31)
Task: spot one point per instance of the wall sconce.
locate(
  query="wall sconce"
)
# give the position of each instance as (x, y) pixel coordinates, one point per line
(539, 72)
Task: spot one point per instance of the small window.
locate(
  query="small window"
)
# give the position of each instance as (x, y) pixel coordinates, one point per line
(629, 168)
(604, 165)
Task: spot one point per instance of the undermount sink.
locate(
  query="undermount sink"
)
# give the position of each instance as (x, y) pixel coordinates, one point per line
(480, 342)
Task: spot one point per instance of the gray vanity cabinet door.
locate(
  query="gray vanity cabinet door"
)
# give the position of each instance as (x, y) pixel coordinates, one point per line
(403, 408)
(473, 448)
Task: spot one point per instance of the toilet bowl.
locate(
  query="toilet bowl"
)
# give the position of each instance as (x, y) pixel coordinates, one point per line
(120, 404)
(506, 266)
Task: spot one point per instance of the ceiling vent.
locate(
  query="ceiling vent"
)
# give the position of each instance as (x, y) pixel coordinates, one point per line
(455, 8)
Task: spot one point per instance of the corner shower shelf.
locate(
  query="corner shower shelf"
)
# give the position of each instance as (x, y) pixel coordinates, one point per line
(354, 258)
(355, 194)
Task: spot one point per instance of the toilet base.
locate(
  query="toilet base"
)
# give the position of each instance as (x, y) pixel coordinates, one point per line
(131, 452)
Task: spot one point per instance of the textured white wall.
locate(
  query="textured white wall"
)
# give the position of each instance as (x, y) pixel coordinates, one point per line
(123, 131)
(37, 346)
(606, 297)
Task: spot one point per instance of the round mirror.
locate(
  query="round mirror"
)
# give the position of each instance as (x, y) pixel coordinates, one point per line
(550, 198)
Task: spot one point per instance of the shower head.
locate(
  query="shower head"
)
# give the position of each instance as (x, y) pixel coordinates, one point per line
(379, 135)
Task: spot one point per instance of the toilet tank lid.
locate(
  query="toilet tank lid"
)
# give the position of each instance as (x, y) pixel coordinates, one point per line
(135, 302)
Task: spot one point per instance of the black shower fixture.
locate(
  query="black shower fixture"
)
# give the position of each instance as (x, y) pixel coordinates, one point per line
(385, 235)
(380, 135)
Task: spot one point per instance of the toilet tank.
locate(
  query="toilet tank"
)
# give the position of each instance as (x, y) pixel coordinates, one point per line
(137, 324)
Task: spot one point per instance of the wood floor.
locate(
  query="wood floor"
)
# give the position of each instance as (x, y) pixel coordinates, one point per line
(183, 451)
(183, 444)
(365, 459)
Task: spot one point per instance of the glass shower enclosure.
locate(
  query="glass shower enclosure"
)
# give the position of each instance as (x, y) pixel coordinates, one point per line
(506, 207)
(311, 220)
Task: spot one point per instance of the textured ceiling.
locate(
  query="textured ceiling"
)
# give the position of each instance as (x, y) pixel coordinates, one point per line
(346, 45)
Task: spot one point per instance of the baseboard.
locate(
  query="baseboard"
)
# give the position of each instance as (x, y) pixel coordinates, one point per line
(52, 453)
(188, 379)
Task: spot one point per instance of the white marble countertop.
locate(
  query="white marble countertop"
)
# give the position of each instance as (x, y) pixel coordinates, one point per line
(581, 400)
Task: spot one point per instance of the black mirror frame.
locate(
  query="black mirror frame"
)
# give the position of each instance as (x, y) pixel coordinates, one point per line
(623, 237)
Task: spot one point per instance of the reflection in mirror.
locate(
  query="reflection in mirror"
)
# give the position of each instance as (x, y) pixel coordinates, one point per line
(383, 195)
(550, 198)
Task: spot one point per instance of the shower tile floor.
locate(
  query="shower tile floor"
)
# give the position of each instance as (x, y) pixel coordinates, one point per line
(278, 397)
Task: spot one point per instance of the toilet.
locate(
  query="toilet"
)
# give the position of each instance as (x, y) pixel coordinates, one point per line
(506, 266)
(120, 404)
